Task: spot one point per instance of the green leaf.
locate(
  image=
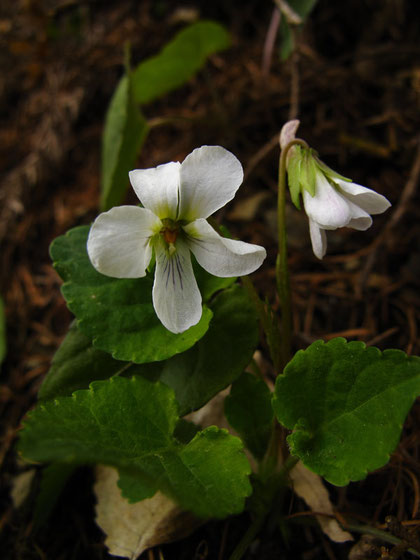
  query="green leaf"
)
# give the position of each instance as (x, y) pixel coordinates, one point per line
(287, 43)
(346, 405)
(53, 481)
(129, 424)
(116, 313)
(124, 134)
(179, 60)
(302, 8)
(195, 375)
(185, 430)
(76, 364)
(125, 126)
(218, 358)
(2, 331)
(249, 412)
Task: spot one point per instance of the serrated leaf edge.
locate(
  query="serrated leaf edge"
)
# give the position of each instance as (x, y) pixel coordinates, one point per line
(339, 341)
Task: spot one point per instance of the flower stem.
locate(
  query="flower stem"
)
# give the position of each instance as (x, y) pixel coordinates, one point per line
(267, 319)
(282, 269)
(248, 538)
(275, 483)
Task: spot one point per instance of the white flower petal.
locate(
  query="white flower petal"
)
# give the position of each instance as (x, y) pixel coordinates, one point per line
(118, 243)
(220, 256)
(328, 207)
(210, 177)
(318, 239)
(158, 188)
(360, 219)
(176, 297)
(362, 223)
(365, 198)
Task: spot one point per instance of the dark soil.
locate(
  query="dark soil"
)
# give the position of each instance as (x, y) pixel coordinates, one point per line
(353, 81)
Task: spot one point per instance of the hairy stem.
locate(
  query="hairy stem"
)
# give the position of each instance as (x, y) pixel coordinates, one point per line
(282, 269)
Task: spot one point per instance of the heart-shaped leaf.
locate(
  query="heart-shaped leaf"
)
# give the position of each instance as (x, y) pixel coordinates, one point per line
(346, 405)
(129, 424)
(76, 364)
(117, 313)
(217, 359)
(196, 375)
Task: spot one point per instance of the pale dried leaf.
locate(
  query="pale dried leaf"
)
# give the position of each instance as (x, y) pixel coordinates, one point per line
(132, 528)
(309, 487)
(246, 209)
(212, 413)
(21, 485)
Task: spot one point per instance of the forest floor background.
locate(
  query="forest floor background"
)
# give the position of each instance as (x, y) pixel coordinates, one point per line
(353, 81)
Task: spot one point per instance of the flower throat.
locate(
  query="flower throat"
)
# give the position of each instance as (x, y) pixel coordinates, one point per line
(169, 231)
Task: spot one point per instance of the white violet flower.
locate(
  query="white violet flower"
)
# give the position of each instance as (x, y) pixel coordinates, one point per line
(331, 201)
(177, 198)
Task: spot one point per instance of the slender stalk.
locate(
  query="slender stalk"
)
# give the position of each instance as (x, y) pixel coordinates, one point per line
(275, 482)
(267, 320)
(282, 269)
(387, 537)
(248, 538)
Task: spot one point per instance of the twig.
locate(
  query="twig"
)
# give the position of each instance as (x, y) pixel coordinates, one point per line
(294, 83)
(381, 337)
(269, 42)
(292, 17)
(386, 537)
(262, 152)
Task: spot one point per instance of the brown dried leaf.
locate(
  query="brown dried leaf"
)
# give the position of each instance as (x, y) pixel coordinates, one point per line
(309, 487)
(132, 528)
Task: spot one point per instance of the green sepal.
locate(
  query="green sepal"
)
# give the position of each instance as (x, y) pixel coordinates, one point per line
(308, 172)
(294, 175)
(330, 173)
